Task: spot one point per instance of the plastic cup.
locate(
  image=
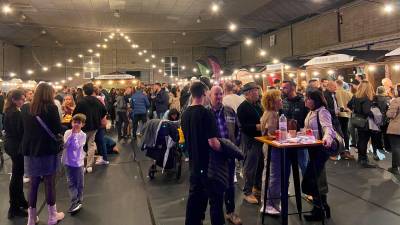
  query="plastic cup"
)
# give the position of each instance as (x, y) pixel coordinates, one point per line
(292, 133)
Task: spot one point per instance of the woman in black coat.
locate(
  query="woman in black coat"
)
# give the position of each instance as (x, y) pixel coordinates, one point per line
(14, 132)
(360, 105)
(41, 151)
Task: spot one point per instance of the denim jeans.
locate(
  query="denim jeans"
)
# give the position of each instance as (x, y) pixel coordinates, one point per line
(101, 147)
(109, 143)
(75, 180)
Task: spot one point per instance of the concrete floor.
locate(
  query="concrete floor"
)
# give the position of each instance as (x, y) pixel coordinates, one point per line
(122, 194)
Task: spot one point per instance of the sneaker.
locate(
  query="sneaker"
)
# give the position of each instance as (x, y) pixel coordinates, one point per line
(26, 179)
(272, 211)
(334, 158)
(89, 169)
(75, 207)
(233, 218)
(101, 161)
(251, 199)
(347, 155)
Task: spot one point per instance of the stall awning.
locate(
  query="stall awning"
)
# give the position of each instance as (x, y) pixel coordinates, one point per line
(395, 52)
(346, 56)
(337, 58)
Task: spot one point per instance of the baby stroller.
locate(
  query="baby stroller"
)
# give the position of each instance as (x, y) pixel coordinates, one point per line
(160, 140)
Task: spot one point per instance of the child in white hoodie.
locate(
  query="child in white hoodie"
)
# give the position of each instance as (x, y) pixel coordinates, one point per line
(73, 159)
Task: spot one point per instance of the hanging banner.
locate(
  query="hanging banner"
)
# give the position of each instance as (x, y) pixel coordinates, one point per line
(203, 68)
(216, 67)
(274, 67)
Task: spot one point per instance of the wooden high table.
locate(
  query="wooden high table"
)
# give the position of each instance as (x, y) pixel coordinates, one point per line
(288, 150)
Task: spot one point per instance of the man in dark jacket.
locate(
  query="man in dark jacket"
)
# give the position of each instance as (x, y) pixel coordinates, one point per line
(140, 104)
(249, 114)
(333, 108)
(161, 100)
(227, 125)
(94, 111)
(295, 110)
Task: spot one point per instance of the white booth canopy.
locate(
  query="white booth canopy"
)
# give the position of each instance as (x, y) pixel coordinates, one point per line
(395, 52)
(336, 58)
(115, 77)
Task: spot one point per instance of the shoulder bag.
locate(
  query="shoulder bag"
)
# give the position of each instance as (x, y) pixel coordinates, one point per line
(358, 122)
(337, 143)
(58, 139)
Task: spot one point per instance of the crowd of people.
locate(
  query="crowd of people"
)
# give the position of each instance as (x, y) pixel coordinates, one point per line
(44, 128)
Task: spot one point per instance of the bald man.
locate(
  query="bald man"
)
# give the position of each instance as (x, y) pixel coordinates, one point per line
(334, 109)
(227, 126)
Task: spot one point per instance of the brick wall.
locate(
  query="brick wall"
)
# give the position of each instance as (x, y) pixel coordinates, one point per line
(363, 22)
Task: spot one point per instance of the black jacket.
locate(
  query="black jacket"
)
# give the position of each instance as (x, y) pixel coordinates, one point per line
(218, 167)
(94, 111)
(36, 141)
(161, 101)
(249, 116)
(382, 102)
(331, 108)
(361, 107)
(295, 109)
(14, 129)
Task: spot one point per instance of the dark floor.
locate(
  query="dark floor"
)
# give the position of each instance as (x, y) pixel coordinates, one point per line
(122, 194)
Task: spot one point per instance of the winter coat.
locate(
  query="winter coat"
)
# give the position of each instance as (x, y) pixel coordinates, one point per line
(161, 101)
(218, 166)
(140, 103)
(393, 114)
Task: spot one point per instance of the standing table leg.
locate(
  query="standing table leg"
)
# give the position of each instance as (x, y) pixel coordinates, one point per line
(266, 184)
(296, 179)
(284, 188)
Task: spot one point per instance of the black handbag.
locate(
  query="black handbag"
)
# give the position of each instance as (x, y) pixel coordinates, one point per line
(59, 139)
(337, 143)
(358, 122)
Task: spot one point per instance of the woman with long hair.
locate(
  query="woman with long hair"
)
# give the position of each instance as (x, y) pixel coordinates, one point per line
(41, 150)
(360, 105)
(320, 119)
(272, 103)
(14, 131)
